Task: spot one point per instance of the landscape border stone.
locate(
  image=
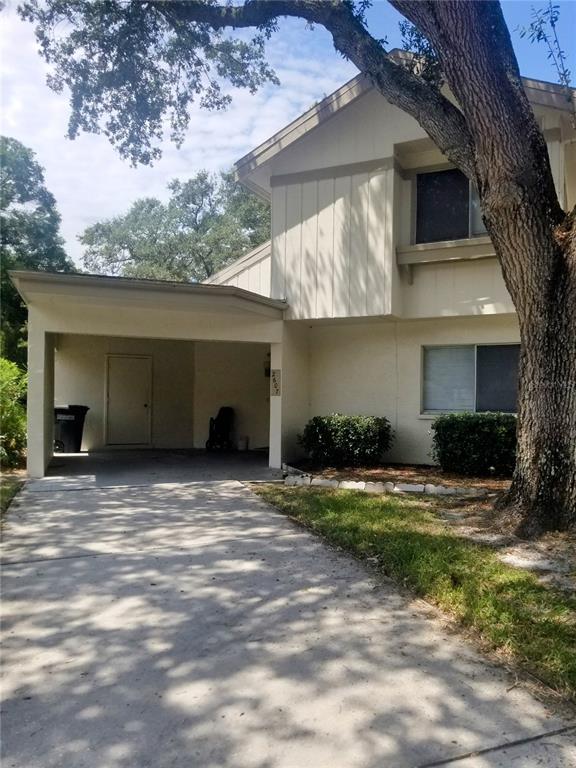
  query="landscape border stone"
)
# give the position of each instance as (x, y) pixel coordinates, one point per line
(294, 476)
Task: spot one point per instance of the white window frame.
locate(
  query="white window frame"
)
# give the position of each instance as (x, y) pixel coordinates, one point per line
(433, 414)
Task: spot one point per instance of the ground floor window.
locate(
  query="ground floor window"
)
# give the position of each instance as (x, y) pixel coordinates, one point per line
(474, 377)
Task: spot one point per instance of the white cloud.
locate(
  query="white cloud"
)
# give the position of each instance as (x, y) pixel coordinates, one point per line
(89, 179)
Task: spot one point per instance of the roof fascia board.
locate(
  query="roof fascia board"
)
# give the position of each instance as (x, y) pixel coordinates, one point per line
(103, 290)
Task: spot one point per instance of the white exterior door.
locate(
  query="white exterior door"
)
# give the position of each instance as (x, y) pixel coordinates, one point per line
(128, 400)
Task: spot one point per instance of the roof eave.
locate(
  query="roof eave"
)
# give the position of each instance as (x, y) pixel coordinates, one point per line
(29, 282)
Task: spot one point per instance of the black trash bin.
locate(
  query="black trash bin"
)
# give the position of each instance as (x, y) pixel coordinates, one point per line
(68, 428)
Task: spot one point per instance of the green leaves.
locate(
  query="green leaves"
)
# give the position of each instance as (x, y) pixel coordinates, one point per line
(208, 222)
(346, 441)
(13, 424)
(423, 60)
(543, 29)
(134, 69)
(29, 236)
(478, 444)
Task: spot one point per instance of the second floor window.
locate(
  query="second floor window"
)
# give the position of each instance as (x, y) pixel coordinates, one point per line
(447, 207)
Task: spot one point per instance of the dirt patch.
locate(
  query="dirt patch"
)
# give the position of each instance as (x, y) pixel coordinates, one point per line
(9, 475)
(552, 557)
(406, 473)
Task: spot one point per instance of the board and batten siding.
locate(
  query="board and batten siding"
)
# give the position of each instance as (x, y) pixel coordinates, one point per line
(333, 245)
(255, 278)
(251, 272)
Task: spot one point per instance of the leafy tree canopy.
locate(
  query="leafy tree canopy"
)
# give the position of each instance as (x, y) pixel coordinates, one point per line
(133, 70)
(208, 222)
(29, 236)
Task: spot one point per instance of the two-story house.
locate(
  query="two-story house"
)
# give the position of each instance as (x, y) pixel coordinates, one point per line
(378, 293)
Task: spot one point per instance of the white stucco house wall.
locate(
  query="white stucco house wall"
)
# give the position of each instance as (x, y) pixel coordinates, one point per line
(378, 293)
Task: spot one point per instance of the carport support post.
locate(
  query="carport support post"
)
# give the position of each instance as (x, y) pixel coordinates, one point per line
(275, 450)
(40, 397)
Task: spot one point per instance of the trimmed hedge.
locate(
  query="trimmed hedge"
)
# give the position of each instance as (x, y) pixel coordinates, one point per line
(346, 441)
(12, 413)
(475, 443)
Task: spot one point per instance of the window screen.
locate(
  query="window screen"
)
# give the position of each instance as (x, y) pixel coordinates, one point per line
(448, 379)
(442, 206)
(497, 378)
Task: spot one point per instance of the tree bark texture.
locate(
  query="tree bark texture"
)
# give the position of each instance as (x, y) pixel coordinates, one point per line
(493, 137)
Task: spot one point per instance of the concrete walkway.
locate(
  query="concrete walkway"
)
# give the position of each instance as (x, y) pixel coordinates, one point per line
(188, 625)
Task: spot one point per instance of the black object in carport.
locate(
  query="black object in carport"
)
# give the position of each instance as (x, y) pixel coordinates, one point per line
(220, 436)
(68, 428)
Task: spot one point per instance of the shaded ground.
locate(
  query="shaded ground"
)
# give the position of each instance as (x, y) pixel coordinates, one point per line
(189, 624)
(552, 557)
(528, 625)
(407, 473)
(143, 467)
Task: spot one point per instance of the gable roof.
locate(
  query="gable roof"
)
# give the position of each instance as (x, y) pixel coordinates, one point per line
(539, 92)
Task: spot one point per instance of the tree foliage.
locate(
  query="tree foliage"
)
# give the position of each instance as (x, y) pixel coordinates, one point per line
(29, 236)
(12, 413)
(423, 60)
(208, 222)
(132, 72)
(543, 28)
(341, 440)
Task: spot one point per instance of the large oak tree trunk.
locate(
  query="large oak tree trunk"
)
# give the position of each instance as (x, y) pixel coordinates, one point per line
(534, 241)
(543, 492)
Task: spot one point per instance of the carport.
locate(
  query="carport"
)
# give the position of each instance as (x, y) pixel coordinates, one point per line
(153, 360)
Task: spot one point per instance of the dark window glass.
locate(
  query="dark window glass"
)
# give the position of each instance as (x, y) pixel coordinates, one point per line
(442, 206)
(497, 377)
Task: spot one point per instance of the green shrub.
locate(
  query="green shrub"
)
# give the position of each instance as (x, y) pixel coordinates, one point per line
(475, 443)
(12, 413)
(346, 441)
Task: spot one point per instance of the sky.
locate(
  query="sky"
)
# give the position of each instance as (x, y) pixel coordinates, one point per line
(91, 182)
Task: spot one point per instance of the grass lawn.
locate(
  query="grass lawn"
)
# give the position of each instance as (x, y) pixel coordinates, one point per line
(9, 487)
(531, 625)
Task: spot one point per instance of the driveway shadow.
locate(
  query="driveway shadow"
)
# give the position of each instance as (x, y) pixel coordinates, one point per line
(191, 625)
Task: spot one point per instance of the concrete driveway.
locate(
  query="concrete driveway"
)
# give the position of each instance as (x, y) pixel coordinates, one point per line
(188, 624)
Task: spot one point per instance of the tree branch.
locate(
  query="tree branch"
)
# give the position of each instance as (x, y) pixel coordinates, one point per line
(441, 120)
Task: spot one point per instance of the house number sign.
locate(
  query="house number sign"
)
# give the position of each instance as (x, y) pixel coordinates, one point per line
(275, 382)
